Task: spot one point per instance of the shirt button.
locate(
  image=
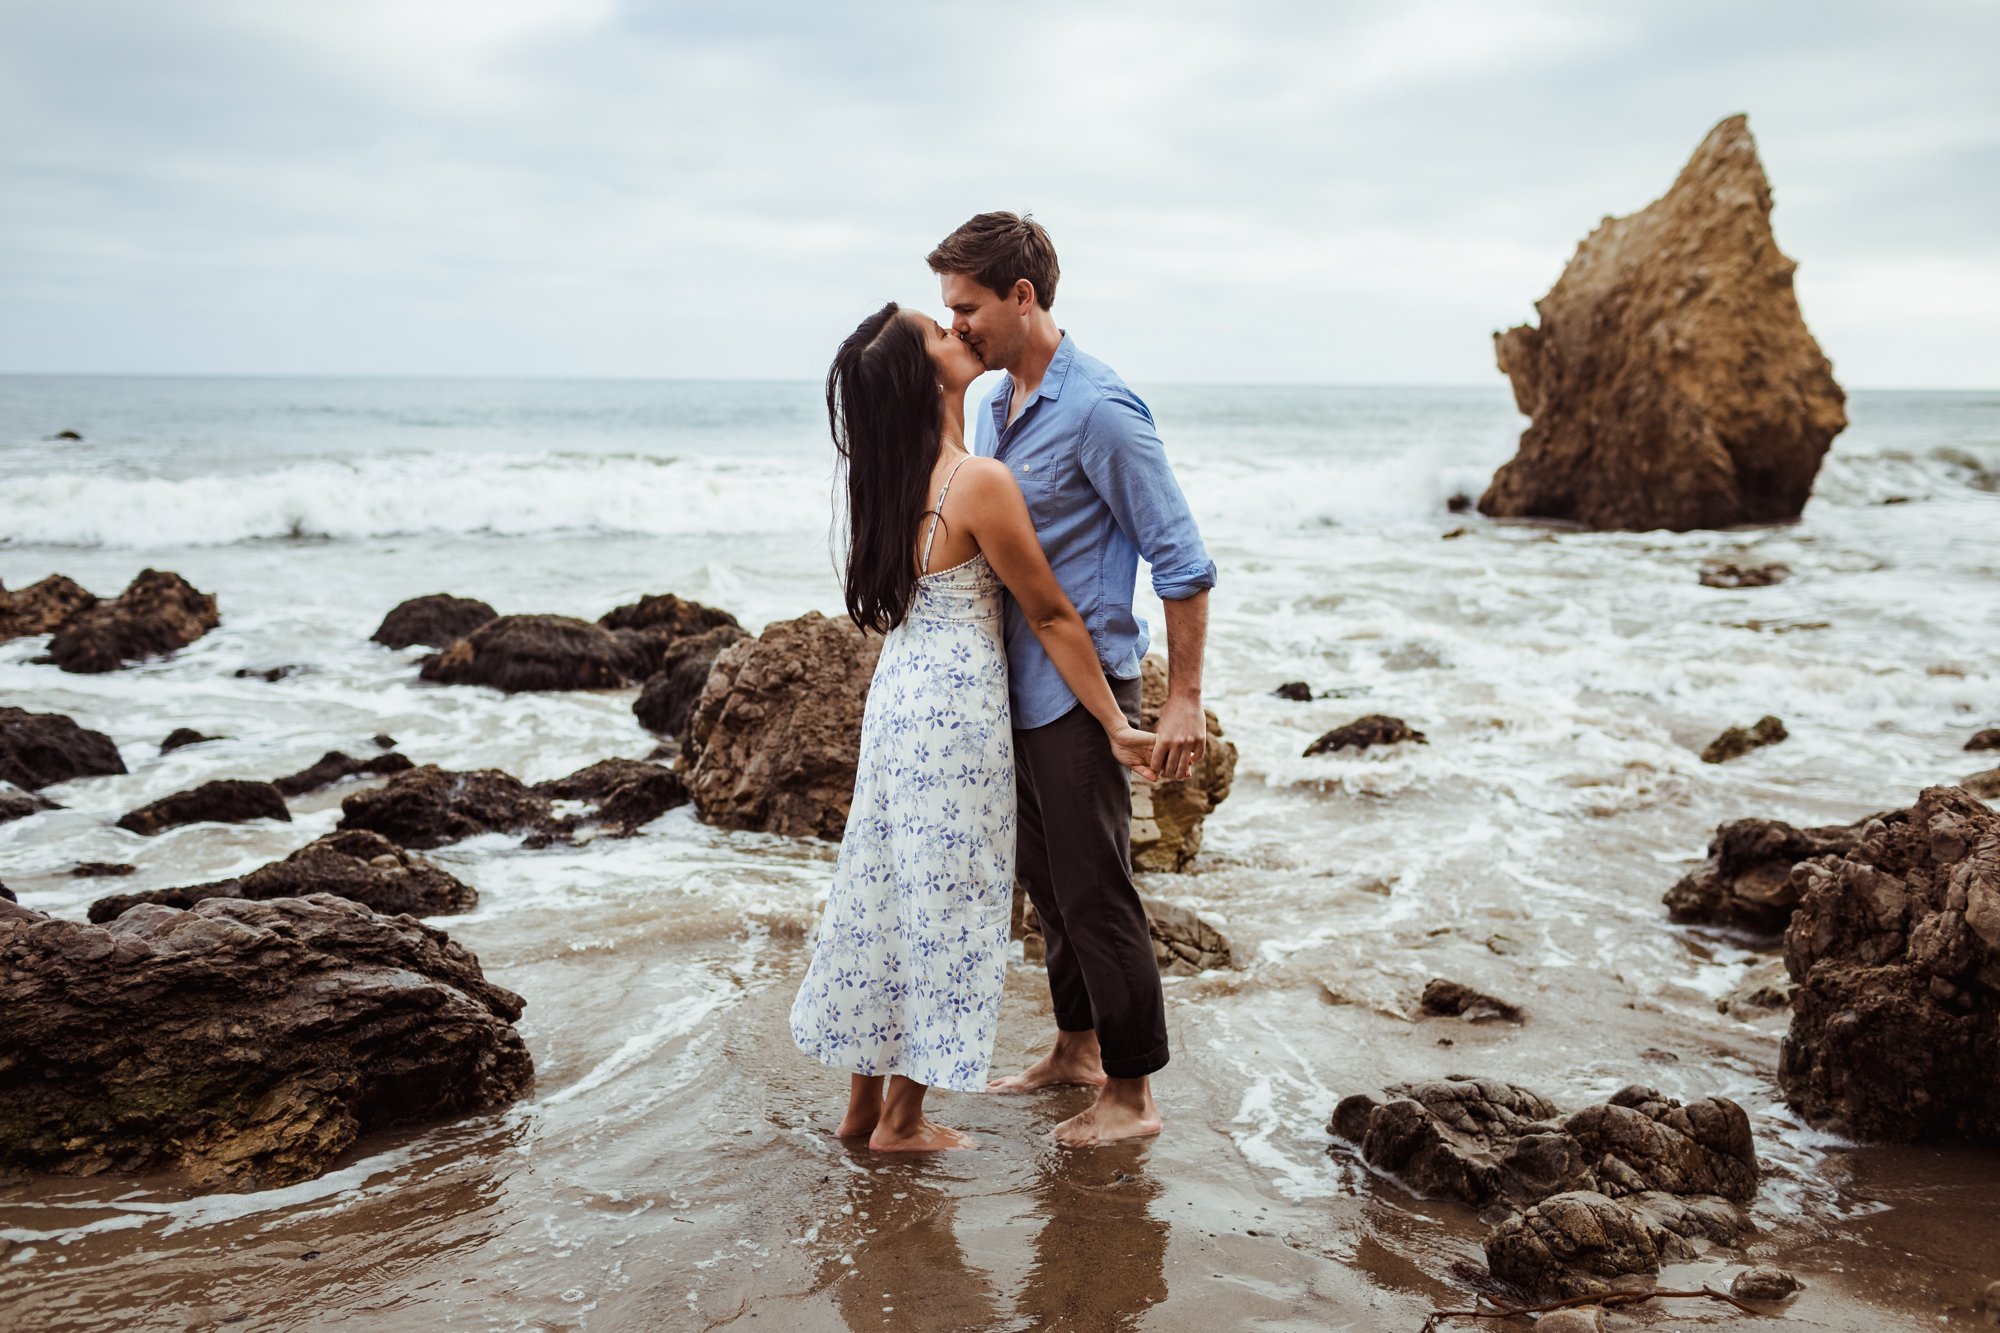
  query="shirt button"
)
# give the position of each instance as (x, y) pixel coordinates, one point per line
(1027, 467)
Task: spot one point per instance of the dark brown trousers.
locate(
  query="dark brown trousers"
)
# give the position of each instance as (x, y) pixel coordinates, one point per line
(1074, 855)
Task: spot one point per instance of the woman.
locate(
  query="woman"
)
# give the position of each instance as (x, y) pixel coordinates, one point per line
(910, 956)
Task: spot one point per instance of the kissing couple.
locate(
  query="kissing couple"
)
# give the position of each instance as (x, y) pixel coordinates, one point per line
(1003, 713)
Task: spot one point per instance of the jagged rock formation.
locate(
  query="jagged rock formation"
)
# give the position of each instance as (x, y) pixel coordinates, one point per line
(655, 623)
(41, 608)
(1167, 816)
(157, 613)
(516, 653)
(431, 806)
(222, 802)
(41, 749)
(357, 865)
(626, 792)
(437, 620)
(776, 735)
(1672, 381)
(667, 700)
(1735, 742)
(1613, 1190)
(1895, 950)
(1747, 880)
(247, 1044)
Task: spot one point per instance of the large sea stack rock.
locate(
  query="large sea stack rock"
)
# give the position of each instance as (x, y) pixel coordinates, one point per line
(360, 866)
(156, 614)
(667, 701)
(1167, 816)
(436, 621)
(1748, 879)
(1672, 382)
(1611, 1191)
(1895, 950)
(41, 608)
(776, 736)
(247, 1044)
(227, 801)
(40, 749)
(431, 806)
(516, 653)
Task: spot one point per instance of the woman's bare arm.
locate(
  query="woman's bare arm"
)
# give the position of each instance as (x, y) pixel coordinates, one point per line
(997, 518)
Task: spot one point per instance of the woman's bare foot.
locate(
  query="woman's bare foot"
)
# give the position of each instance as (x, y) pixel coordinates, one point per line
(1123, 1110)
(864, 1107)
(1074, 1061)
(924, 1136)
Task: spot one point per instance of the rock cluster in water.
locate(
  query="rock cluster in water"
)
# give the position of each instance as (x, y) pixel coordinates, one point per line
(1895, 952)
(157, 613)
(42, 749)
(1362, 732)
(354, 864)
(246, 1044)
(1748, 879)
(545, 652)
(1672, 382)
(1611, 1191)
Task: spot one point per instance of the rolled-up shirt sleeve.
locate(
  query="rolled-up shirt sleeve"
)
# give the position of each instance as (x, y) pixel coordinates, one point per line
(1122, 455)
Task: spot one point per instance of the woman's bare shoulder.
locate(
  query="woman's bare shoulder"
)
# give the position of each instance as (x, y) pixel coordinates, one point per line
(982, 475)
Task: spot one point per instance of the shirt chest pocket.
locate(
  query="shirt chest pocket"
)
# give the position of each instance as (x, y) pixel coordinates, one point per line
(1042, 486)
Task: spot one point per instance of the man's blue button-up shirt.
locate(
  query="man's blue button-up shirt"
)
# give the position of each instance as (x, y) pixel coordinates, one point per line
(1090, 463)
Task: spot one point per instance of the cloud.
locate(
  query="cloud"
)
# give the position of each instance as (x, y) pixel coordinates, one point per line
(1276, 192)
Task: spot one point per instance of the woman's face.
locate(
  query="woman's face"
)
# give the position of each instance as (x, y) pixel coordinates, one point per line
(957, 365)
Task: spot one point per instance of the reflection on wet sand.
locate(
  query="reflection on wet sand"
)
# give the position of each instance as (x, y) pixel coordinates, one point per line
(1100, 1255)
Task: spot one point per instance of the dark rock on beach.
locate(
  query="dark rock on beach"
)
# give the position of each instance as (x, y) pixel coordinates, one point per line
(1672, 381)
(158, 613)
(19, 805)
(1443, 998)
(246, 1044)
(180, 736)
(668, 698)
(41, 608)
(1375, 729)
(270, 675)
(1167, 816)
(334, 765)
(518, 653)
(102, 870)
(431, 806)
(1739, 741)
(360, 866)
(1748, 878)
(775, 737)
(627, 793)
(436, 621)
(1611, 1190)
(1984, 785)
(1988, 739)
(1297, 691)
(1895, 950)
(7, 894)
(228, 801)
(1763, 1285)
(41, 749)
(655, 623)
(1742, 576)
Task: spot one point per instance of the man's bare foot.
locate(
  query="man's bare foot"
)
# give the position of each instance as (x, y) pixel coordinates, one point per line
(925, 1136)
(1073, 1063)
(1124, 1110)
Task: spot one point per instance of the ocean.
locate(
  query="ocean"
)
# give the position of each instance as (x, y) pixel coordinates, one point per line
(673, 1168)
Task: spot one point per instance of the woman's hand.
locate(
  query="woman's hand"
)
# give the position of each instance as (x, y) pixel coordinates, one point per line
(1134, 749)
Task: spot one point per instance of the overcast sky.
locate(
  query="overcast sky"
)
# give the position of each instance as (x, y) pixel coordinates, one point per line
(1304, 193)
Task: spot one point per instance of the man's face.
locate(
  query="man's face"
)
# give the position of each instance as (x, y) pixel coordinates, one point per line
(989, 323)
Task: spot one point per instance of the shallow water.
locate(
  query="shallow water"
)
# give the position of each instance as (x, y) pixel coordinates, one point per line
(673, 1168)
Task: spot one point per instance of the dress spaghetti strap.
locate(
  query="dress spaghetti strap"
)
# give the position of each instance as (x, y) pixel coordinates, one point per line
(937, 510)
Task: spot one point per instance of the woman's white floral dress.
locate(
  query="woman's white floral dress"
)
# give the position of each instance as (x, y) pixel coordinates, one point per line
(911, 953)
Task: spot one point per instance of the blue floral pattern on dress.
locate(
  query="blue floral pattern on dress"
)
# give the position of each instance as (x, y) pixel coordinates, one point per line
(911, 952)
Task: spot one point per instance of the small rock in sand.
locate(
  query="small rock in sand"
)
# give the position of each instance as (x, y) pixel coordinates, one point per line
(1764, 1284)
(1455, 999)
(100, 870)
(1297, 691)
(1738, 741)
(1577, 1319)
(1988, 739)
(180, 736)
(1986, 786)
(1744, 576)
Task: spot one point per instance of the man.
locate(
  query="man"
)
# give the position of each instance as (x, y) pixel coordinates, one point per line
(1085, 453)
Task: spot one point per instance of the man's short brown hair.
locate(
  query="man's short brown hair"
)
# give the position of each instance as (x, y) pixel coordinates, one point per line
(999, 249)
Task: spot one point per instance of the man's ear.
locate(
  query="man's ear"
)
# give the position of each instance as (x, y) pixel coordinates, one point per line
(1024, 295)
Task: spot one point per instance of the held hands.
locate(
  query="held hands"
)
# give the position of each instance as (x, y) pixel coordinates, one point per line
(1134, 749)
(1180, 741)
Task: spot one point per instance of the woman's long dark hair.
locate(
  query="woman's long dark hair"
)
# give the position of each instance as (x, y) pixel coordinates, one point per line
(882, 406)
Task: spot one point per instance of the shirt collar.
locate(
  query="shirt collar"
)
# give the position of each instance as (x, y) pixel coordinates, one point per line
(1051, 386)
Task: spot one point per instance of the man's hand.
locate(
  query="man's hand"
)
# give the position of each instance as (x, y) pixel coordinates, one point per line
(1179, 739)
